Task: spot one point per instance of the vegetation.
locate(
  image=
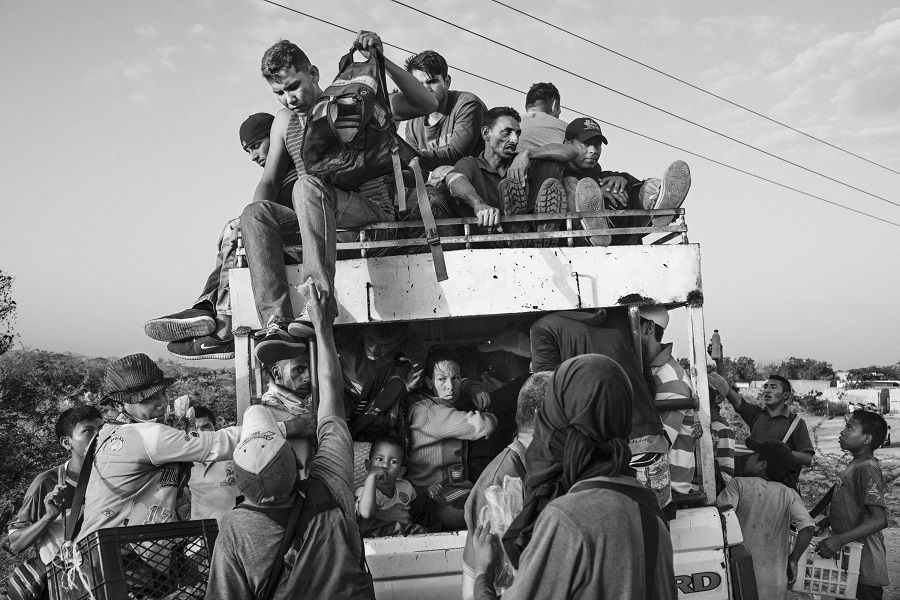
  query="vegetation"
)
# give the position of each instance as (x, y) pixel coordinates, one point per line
(7, 313)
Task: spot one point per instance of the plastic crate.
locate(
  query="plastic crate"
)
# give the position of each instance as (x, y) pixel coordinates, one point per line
(833, 577)
(167, 561)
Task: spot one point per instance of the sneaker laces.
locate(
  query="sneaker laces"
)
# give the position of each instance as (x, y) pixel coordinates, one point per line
(272, 326)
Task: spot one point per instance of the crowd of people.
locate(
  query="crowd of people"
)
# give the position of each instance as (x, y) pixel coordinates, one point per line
(391, 437)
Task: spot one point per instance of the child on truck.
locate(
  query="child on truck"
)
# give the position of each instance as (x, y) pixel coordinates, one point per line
(858, 508)
(382, 503)
(766, 507)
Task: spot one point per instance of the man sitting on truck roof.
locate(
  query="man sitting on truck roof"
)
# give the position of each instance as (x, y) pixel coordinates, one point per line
(320, 207)
(438, 435)
(495, 182)
(541, 124)
(510, 462)
(600, 534)
(590, 188)
(204, 330)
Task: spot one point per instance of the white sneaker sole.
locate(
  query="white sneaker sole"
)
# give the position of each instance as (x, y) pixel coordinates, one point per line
(173, 330)
(588, 197)
(676, 182)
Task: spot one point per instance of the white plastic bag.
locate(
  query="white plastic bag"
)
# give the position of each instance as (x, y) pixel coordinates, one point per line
(502, 505)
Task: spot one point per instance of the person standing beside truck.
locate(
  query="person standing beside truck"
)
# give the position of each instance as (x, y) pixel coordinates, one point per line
(602, 534)
(774, 420)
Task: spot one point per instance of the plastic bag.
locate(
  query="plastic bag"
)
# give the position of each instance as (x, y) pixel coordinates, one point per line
(502, 505)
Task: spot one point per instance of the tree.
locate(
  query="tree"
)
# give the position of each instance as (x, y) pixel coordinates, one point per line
(7, 313)
(743, 368)
(805, 368)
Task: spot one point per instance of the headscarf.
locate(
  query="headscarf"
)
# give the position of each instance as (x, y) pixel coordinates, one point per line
(580, 432)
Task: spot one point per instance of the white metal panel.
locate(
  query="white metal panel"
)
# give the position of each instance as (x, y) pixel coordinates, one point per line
(503, 281)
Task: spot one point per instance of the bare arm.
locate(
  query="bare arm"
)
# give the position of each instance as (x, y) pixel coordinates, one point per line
(277, 161)
(804, 537)
(413, 100)
(876, 519)
(329, 368)
(461, 188)
(366, 506)
(21, 539)
(803, 458)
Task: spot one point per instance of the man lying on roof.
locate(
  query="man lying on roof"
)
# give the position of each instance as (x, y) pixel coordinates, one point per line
(320, 207)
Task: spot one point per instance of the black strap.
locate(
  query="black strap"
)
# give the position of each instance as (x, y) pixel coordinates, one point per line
(278, 562)
(823, 504)
(73, 526)
(650, 513)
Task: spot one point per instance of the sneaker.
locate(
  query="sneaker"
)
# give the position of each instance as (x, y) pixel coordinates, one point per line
(302, 326)
(549, 199)
(674, 189)
(588, 197)
(276, 343)
(208, 346)
(185, 325)
(514, 201)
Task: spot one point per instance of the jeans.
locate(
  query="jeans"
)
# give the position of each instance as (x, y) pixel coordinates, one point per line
(216, 290)
(320, 209)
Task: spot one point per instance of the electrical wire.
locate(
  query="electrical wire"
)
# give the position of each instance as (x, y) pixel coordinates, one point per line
(644, 103)
(620, 127)
(695, 87)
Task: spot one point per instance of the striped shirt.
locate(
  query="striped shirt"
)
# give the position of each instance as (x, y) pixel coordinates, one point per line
(723, 443)
(670, 382)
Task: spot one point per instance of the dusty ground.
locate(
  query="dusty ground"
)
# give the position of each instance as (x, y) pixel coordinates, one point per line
(825, 434)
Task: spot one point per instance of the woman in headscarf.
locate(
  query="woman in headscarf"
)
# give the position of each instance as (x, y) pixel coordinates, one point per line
(599, 533)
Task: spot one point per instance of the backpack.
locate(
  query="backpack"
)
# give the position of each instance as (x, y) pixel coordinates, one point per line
(350, 136)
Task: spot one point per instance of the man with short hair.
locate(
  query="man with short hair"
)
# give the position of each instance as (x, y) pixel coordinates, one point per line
(453, 129)
(137, 469)
(674, 399)
(204, 330)
(211, 484)
(40, 521)
(320, 207)
(510, 462)
(495, 182)
(541, 124)
(327, 557)
(773, 420)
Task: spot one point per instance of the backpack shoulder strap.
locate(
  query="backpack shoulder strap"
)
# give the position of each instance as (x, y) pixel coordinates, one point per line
(650, 512)
(73, 526)
(278, 562)
(794, 422)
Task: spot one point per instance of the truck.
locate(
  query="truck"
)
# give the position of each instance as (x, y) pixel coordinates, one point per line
(492, 288)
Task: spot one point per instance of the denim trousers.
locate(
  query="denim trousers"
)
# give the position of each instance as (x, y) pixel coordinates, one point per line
(216, 290)
(319, 210)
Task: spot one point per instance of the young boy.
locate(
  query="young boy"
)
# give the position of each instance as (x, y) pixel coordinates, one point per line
(766, 508)
(39, 521)
(858, 510)
(383, 501)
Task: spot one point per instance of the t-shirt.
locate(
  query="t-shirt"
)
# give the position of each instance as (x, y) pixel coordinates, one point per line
(213, 489)
(328, 564)
(33, 509)
(766, 510)
(404, 493)
(510, 462)
(456, 135)
(137, 471)
(764, 427)
(483, 177)
(588, 545)
(540, 129)
(672, 383)
(861, 485)
(724, 445)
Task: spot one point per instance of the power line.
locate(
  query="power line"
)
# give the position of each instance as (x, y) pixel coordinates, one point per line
(620, 127)
(644, 103)
(696, 87)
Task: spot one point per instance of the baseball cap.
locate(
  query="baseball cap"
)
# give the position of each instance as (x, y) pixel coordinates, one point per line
(779, 458)
(510, 340)
(255, 127)
(274, 351)
(584, 129)
(265, 469)
(656, 313)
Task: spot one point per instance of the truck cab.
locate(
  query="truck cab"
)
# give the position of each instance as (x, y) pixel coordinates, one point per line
(491, 289)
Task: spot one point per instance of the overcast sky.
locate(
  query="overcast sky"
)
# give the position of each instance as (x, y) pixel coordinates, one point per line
(121, 159)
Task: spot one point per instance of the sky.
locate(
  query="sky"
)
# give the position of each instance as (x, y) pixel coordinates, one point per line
(122, 159)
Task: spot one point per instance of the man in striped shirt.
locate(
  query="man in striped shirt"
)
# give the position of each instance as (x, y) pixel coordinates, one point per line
(673, 395)
(723, 441)
(204, 330)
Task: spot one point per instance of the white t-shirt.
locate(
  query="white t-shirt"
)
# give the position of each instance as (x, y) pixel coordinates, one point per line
(404, 494)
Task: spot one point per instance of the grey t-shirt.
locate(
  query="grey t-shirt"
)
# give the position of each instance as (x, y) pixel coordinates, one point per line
(248, 540)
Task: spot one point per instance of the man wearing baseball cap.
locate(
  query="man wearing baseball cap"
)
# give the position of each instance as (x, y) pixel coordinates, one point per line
(674, 399)
(326, 558)
(204, 330)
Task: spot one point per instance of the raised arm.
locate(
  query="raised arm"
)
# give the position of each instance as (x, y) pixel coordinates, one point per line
(413, 100)
(331, 384)
(277, 161)
(466, 131)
